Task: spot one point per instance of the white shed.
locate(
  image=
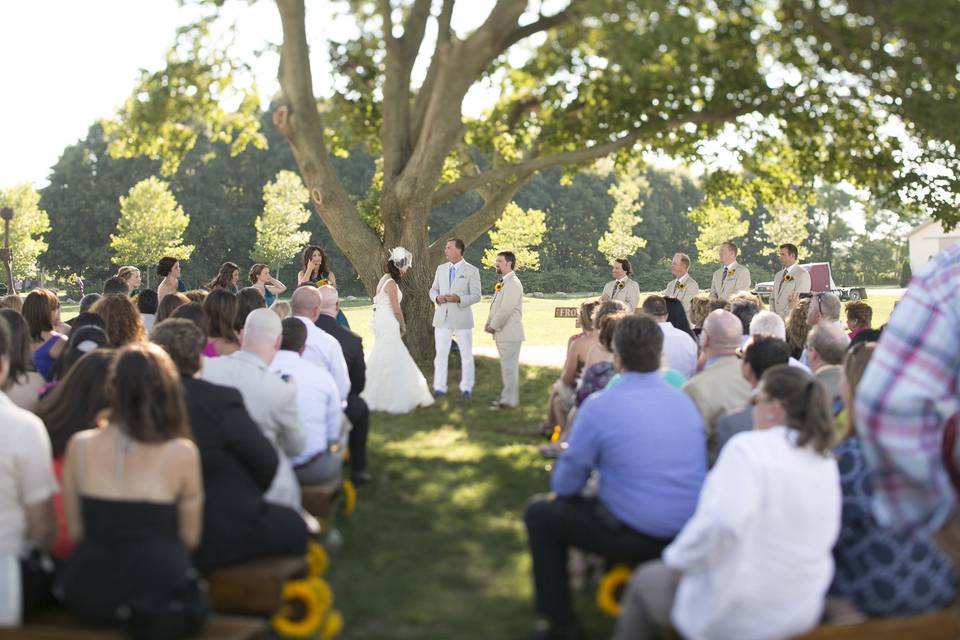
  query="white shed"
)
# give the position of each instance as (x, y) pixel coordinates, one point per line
(927, 240)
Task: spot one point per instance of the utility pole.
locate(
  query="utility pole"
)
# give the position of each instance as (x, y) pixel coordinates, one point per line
(6, 254)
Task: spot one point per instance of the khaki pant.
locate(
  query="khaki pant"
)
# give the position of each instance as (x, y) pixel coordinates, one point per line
(510, 371)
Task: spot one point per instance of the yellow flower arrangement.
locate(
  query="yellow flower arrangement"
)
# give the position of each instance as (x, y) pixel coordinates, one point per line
(610, 590)
(304, 605)
(349, 497)
(322, 282)
(317, 559)
(333, 626)
(555, 435)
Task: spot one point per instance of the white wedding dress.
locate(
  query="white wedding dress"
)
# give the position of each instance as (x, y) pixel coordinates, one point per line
(394, 382)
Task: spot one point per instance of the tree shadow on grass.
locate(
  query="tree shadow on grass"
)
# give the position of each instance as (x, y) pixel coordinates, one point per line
(437, 547)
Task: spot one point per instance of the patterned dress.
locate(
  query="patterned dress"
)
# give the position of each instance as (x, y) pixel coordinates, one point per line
(881, 571)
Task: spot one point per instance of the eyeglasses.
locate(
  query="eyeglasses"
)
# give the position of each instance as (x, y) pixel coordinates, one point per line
(819, 298)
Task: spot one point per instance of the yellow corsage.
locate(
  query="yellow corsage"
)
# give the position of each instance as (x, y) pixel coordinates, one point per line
(619, 285)
(788, 278)
(322, 283)
(680, 285)
(497, 287)
(730, 272)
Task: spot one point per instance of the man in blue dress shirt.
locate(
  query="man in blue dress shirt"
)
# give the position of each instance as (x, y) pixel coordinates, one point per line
(647, 441)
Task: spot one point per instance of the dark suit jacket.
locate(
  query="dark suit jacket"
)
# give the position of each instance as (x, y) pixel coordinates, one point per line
(352, 346)
(238, 466)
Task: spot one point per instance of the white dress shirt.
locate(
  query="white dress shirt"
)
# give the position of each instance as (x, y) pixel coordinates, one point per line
(318, 399)
(323, 350)
(756, 556)
(679, 350)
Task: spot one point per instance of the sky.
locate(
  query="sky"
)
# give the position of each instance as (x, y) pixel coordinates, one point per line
(67, 64)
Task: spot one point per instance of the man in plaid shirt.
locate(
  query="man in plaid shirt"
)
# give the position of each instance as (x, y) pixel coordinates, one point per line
(906, 396)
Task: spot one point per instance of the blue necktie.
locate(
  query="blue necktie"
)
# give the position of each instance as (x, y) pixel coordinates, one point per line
(453, 274)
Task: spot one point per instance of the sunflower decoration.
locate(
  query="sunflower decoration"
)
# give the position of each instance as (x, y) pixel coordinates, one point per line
(620, 285)
(611, 588)
(730, 272)
(788, 278)
(317, 559)
(305, 602)
(332, 626)
(497, 287)
(555, 435)
(680, 285)
(322, 282)
(349, 497)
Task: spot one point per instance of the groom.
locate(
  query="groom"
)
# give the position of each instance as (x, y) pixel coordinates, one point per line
(506, 325)
(456, 286)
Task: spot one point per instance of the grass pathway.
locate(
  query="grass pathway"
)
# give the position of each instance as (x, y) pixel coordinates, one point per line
(437, 547)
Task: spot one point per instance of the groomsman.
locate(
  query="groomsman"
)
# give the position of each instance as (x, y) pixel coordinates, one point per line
(731, 277)
(622, 287)
(506, 324)
(456, 286)
(792, 279)
(683, 287)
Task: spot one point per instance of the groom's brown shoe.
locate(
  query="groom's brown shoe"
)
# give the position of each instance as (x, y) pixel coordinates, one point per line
(496, 405)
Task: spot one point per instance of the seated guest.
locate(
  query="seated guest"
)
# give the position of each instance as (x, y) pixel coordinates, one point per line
(646, 440)
(73, 406)
(124, 325)
(562, 392)
(86, 304)
(41, 309)
(678, 317)
(599, 367)
(115, 286)
(248, 299)
(880, 571)
(761, 353)
(322, 348)
(282, 309)
(192, 311)
(768, 323)
(196, 295)
(83, 340)
(720, 388)
(23, 382)
(318, 400)
(826, 345)
(147, 306)
(859, 323)
(270, 400)
(238, 464)
(221, 309)
(699, 310)
(745, 310)
(824, 310)
(679, 349)
(130, 277)
(357, 411)
(797, 328)
(134, 501)
(12, 301)
(27, 487)
(168, 304)
(755, 559)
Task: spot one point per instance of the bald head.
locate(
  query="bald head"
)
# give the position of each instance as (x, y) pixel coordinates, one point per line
(329, 300)
(261, 334)
(306, 302)
(722, 333)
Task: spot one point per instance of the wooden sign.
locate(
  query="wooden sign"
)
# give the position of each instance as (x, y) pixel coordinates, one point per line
(566, 312)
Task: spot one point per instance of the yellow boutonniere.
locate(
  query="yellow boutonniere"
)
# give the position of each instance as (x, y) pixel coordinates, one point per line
(730, 272)
(680, 285)
(788, 278)
(322, 283)
(498, 286)
(619, 285)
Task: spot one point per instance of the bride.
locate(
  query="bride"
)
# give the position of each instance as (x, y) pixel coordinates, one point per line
(394, 382)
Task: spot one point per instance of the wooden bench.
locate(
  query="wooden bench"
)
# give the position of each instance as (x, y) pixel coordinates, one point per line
(58, 624)
(943, 625)
(254, 588)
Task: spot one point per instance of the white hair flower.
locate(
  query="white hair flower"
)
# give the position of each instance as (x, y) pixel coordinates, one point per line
(401, 258)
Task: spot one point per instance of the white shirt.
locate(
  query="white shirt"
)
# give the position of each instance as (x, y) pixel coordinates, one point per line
(679, 350)
(26, 472)
(323, 350)
(318, 399)
(757, 555)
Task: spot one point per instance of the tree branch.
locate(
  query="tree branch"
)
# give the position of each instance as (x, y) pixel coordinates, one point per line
(544, 23)
(444, 38)
(579, 156)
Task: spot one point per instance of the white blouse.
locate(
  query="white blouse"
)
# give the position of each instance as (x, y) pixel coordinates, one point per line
(756, 555)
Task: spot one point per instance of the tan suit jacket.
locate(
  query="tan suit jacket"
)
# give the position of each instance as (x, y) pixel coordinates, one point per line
(630, 294)
(723, 288)
(685, 293)
(782, 289)
(506, 311)
(718, 389)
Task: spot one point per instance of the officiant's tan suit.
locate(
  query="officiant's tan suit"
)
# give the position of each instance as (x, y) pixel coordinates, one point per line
(506, 323)
(784, 287)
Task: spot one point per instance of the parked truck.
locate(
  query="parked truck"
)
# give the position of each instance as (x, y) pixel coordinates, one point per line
(821, 279)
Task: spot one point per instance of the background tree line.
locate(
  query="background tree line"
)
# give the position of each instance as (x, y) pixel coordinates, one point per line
(68, 228)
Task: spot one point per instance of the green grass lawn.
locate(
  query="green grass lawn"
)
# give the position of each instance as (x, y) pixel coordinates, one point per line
(437, 546)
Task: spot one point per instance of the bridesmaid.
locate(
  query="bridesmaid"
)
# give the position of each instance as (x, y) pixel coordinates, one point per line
(266, 284)
(316, 271)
